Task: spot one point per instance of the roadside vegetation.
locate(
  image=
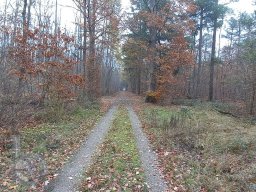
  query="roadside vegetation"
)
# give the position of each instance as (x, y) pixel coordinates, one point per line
(117, 166)
(202, 149)
(45, 148)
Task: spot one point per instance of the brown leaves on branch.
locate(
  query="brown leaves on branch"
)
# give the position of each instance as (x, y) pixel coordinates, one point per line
(42, 60)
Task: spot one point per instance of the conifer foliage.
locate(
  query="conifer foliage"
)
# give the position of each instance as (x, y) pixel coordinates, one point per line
(157, 48)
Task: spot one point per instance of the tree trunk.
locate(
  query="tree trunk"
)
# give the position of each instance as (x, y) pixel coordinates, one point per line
(200, 53)
(152, 50)
(152, 64)
(22, 70)
(84, 46)
(252, 100)
(56, 18)
(139, 82)
(212, 64)
(93, 68)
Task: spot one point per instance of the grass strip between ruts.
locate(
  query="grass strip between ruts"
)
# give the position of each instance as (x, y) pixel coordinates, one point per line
(118, 165)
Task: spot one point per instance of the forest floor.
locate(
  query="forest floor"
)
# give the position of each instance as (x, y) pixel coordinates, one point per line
(179, 148)
(200, 149)
(44, 150)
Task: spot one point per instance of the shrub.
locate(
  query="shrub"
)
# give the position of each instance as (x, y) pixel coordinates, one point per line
(238, 146)
(152, 97)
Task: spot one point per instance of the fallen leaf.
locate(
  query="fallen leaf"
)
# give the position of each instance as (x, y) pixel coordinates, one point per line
(13, 187)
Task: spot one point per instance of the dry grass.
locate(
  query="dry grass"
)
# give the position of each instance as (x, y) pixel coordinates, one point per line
(203, 150)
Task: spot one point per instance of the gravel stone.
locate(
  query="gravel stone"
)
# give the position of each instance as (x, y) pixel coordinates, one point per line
(149, 161)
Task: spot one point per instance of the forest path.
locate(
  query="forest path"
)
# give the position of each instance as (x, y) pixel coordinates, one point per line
(149, 161)
(71, 175)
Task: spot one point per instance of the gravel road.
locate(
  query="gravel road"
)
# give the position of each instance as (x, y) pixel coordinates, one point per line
(70, 176)
(154, 177)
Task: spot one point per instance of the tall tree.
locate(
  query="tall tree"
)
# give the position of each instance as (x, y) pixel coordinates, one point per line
(218, 12)
(159, 28)
(204, 9)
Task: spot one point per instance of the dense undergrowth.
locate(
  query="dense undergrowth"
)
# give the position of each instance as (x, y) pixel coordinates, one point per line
(46, 147)
(201, 149)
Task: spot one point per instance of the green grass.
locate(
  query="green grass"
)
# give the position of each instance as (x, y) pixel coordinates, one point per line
(54, 142)
(118, 166)
(212, 151)
(79, 122)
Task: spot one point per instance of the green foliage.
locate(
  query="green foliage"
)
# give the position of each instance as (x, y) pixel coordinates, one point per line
(22, 188)
(55, 112)
(211, 10)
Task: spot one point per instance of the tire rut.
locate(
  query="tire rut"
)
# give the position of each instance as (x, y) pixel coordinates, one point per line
(154, 177)
(71, 174)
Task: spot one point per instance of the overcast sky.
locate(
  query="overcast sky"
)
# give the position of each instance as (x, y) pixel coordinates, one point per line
(67, 13)
(241, 6)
